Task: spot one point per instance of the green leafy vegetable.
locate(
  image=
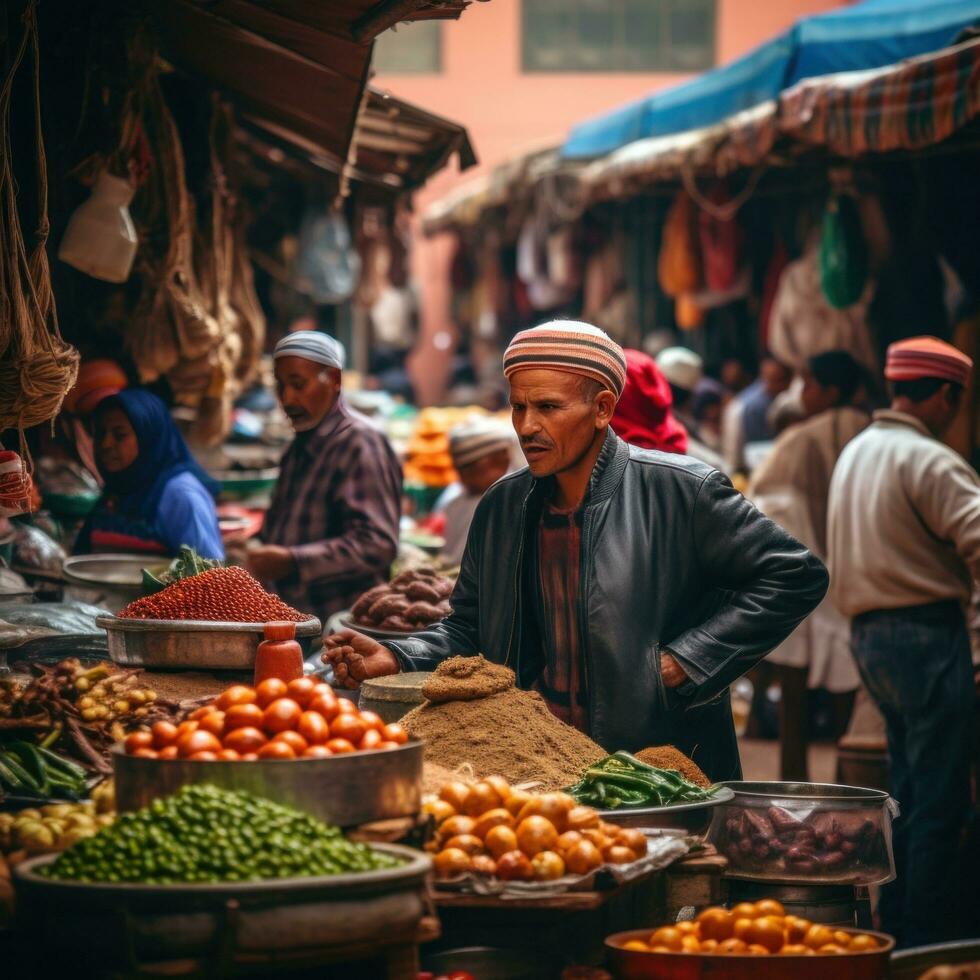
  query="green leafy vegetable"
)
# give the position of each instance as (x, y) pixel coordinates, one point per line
(622, 780)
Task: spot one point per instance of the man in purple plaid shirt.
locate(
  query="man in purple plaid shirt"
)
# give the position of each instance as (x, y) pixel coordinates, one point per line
(331, 531)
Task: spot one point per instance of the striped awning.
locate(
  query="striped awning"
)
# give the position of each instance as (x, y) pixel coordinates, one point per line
(907, 106)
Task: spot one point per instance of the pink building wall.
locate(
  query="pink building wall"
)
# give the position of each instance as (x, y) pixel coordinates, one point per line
(508, 112)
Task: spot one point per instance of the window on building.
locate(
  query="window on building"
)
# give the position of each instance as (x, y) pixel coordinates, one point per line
(409, 49)
(618, 35)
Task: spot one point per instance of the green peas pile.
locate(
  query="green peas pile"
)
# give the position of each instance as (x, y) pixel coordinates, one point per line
(203, 834)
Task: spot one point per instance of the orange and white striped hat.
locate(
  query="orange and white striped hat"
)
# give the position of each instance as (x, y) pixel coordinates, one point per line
(570, 346)
(926, 357)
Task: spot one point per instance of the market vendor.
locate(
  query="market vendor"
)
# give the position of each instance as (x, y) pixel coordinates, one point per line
(156, 497)
(331, 531)
(481, 453)
(629, 587)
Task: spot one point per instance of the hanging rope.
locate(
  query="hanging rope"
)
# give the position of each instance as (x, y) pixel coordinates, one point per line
(36, 366)
(727, 210)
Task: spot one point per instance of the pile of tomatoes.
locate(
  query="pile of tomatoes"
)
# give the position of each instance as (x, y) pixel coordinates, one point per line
(753, 929)
(491, 828)
(275, 720)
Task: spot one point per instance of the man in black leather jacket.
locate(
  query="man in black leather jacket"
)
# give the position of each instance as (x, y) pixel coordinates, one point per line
(682, 584)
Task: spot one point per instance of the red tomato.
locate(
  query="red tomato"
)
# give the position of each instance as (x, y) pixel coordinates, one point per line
(346, 706)
(348, 726)
(164, 734)
(301, 690)
(201, 712)
(294, 740)
(269, 690)
(339, 746)
(205, 756)
(138, 740)
(185, 728)
(228, 755)
(325, 702)
(281, 715)
(243, 716)
(237, 694)
(395, 733)
(146, 753)
(276, 750)
(197, 741)
(371, 740)
(373, 721)
(386, 745)
(245, 740)
(317, 752)
(167, 752)
(313, 727)
(214, 722)
(249, 756)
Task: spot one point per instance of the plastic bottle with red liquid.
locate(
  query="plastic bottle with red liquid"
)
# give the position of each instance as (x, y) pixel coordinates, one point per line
(278, 655)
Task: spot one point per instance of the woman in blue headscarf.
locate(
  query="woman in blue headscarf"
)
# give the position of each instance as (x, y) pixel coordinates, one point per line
(156, 497)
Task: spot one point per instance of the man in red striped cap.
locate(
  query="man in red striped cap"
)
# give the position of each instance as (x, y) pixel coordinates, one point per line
(904, 553)
(628, 587)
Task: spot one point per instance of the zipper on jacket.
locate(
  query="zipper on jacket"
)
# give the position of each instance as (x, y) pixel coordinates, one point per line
(582, 619)
(517, 576)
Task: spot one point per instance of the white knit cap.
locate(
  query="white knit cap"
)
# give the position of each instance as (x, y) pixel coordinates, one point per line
(470, 441)
(313, 346)
(681, 367)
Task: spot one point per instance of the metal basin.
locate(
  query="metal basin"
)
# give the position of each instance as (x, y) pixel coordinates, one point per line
(346, 790)
(158, 922)
(110, 581)
(630, 964)
(693, 818)
(189, 644)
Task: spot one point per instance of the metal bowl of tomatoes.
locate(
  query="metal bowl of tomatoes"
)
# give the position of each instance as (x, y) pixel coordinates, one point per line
(297, 743)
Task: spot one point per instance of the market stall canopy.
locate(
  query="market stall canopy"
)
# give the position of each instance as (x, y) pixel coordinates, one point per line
(396, 147)
(513, 184)
(866, 35)
(298, 66)
(908, 106)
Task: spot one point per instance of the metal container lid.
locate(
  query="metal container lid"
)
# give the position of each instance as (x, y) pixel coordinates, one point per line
(401, 688)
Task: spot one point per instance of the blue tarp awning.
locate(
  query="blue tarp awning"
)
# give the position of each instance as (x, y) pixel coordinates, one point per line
(870, 34)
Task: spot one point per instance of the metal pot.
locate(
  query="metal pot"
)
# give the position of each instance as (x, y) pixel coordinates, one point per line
(190, 644)
(156, 922)
(347, 790)
(628, 964)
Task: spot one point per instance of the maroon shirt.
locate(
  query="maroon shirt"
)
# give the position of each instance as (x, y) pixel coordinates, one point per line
(336, 507)
(563, 681)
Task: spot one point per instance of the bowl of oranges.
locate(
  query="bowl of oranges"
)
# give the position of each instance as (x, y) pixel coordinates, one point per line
(754, 940)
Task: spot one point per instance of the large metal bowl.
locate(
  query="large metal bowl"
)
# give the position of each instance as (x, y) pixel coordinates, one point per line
(189, 644)
(346, 790)
(628, 964)
(110, 581)
(156, 922)
(693, 818)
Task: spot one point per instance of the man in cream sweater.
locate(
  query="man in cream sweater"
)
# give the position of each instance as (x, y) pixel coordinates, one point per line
(904, 551)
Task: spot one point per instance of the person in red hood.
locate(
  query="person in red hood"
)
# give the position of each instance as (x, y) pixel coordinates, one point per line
(643, 416)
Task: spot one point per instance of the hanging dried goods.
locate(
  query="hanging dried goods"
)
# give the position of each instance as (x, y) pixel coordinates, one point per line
(220, 595)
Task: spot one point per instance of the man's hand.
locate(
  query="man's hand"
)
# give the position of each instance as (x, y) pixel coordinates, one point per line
(270, 561)
(671, 671)
(356, 657)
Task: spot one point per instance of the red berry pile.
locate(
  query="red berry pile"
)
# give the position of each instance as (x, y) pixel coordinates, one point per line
(220, 595)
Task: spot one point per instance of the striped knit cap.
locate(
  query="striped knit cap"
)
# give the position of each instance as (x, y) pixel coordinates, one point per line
(572, 347)
(926, 357)
(470, 441)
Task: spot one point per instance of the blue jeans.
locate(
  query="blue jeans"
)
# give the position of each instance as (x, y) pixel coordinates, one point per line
(915, 663)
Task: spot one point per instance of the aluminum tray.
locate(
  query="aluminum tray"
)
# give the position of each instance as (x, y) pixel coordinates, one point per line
(346, 790)
(188, 644)
(693, 818)
(155, 922)
(376, 634)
